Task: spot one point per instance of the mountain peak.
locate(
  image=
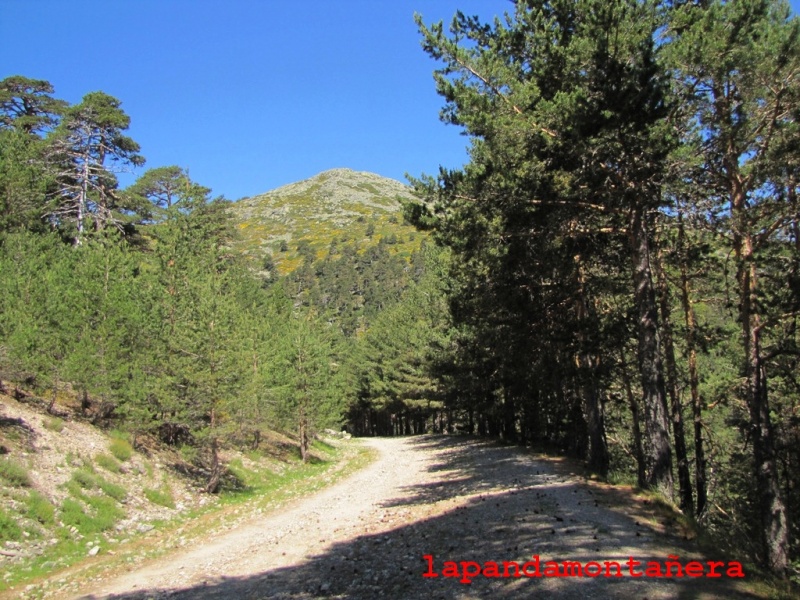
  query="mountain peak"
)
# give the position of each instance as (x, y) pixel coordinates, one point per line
(337, 203)
(346, 186)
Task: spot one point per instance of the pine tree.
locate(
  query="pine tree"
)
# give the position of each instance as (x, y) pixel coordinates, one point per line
(27, 112)
(736, 66)
(83, 152)
(159, 189)
(564, 106)
(27, 105)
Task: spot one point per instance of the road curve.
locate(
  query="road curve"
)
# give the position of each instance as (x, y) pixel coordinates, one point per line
(467, 502)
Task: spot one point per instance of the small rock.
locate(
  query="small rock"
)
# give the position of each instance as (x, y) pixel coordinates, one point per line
(94, 551)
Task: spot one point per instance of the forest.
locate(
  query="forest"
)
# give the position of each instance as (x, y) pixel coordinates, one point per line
(614, 275)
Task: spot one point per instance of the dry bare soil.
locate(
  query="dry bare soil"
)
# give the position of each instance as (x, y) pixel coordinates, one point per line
(453, 498)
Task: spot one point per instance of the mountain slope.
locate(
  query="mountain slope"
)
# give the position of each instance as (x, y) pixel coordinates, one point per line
(340, 206)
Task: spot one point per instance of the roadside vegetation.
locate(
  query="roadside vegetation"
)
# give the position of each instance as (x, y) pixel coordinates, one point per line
(94, 513)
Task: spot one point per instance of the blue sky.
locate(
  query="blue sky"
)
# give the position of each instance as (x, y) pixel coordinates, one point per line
(251, 94)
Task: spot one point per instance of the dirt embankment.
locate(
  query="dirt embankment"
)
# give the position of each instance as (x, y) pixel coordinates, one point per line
(454, 499)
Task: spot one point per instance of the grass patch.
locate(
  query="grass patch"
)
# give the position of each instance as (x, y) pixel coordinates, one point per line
(189, 454)
(107, 512)
(9, 530)
(72, 515)
(40, 509)
(117, 492)
(14, 474)
(622, 477)
(84, 479)
(121, 449)
(238, 477)
(13, 435)
(162, 497)
(108, 462)
(53, 424)
(322, 446)
(254, 455)
(103, 517)
(271, 486)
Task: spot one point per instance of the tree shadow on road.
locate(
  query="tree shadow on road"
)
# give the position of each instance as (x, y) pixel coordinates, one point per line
(489, 503)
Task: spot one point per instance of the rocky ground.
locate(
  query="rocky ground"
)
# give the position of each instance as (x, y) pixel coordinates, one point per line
(452, 498)
(54, 558)
(52, 449)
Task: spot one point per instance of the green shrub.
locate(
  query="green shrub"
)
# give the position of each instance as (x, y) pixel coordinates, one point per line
(189, 453)
(72, 514)
(14, 474)
(54, 424)
(162, 497)
(106, 514)
(108, 462)
(85, 479)
(9, 530)
(117, 492)
(40, 509)
(121, 449)
(254, 455)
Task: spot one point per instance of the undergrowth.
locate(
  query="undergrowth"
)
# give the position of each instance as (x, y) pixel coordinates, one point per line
(14, 474)
(161, 497)
(121, 449)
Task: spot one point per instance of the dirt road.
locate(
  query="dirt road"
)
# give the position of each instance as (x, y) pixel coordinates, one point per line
(454, 499)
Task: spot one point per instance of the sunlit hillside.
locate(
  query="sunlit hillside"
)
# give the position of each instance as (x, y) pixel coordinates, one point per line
(337, 207)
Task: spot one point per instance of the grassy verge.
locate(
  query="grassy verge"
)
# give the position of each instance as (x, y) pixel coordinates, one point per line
(65, 565)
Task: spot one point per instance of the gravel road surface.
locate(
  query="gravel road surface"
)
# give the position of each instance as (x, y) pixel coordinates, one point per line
(454, 499)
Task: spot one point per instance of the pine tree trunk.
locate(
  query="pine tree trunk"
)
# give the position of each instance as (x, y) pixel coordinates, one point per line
(774, 527)
(700, 478)
(216, 469)
(587, 362)
(658, 451)
(772, 507)
(509, 417)
(638, 448)
(83, 199)
(51, 406)
(598, 448)
(678, 433)
(304, 442)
